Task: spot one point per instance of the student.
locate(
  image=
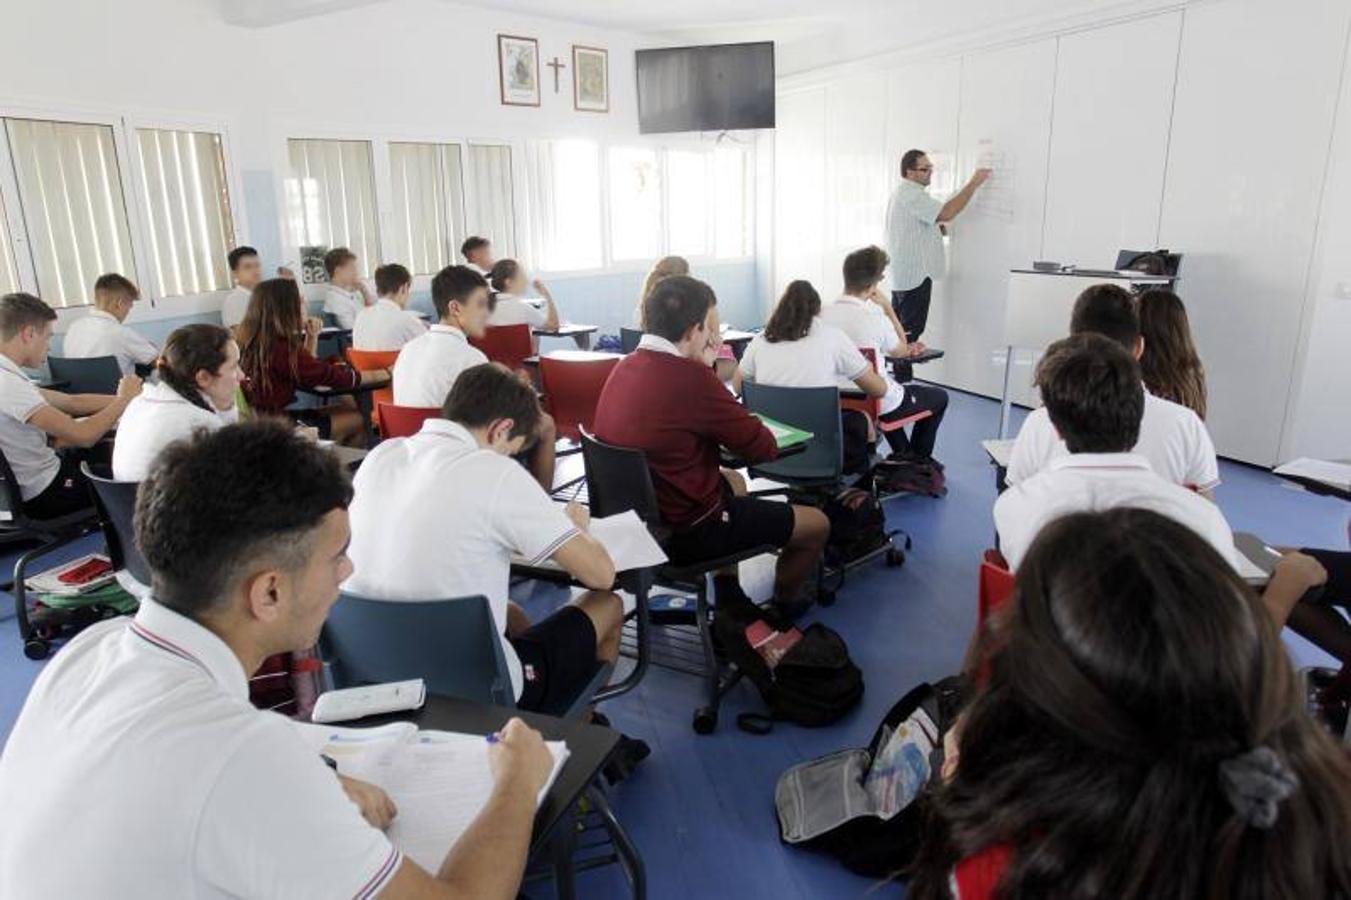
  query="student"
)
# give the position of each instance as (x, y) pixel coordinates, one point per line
(101, 332)
(797, 349)
(866, 315)
(662, 269)
(441, 514)
(247, 271)
(665, 400)
(277, 354)
(1172, 437)
(387, 324)
(478, 254)
(429, 363)
(50, 484)
(509, 305)
(346, 294)
(1171, 366)
(199, 377)
(1092, 393)
(138, 768)
(1140, 734)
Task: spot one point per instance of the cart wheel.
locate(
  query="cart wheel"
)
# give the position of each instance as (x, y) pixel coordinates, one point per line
(895, 558)
(36, 648)
(705, 720)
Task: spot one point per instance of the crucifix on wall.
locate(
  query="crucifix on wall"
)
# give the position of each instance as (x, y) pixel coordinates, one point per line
(556, 64)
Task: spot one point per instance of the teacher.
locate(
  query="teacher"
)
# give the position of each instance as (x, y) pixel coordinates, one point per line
(915, 237)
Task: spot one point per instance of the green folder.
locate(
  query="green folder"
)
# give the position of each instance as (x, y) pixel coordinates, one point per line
(784, 435)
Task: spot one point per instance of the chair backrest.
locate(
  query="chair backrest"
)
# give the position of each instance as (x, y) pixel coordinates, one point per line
(996, 585)
(618, 480)
(11, 497)
(404, 421)
(453, 645)
(629, 338)
(506, 344)
(572, 389)
(372, 360)
(94, 375)
(810, 409)
(116, 502)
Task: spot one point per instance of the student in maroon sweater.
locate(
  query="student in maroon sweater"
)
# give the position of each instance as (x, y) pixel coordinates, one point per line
(665, 400)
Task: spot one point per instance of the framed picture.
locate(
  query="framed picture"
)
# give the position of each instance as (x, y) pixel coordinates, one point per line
(518, 70)
(590, 79)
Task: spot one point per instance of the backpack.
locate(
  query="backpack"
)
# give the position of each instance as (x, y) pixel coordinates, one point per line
(857, 527)
(910, 477)
(814, 683)
(865, 806)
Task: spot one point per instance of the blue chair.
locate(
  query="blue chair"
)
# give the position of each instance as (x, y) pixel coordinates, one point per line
(629, 338)
(452, 644)
(116, 503)
(94, 375)
(816, 410)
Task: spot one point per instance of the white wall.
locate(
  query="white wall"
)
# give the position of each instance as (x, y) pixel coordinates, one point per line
(1206, 127)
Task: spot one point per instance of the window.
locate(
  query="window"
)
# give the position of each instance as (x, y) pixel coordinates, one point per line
(635, 203)
(9, 274)
(731, 203)
(428, 209)
(70, 193)
(565, 210)
(489, 204)
(330, 198)
(187, 205)
(688, 224)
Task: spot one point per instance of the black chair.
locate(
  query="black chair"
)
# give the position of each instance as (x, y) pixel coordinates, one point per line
(94, 375)
(618, 480)
(116, 503)
(39, 628)
(629, 338)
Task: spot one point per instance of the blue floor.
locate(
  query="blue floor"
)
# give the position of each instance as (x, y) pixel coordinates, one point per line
(701, 808)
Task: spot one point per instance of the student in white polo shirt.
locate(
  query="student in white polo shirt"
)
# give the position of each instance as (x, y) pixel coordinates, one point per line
(100, 332)
(510, 306)
(198, 379)
(441, 514)
(478, 254)
(1172, 437)
(797, 349)
(429, 364)
(387, 324)
(247, 271)
(138, 767)
(346, 294)
(50, 484)
(865, 314)
(1095, 399)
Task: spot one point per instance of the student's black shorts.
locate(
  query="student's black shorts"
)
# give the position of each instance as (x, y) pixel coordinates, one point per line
(558, 658)
(744, 523)
(68, 493)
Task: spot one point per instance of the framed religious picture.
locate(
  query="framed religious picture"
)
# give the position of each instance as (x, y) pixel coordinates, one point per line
(518, 70)
(590, 79)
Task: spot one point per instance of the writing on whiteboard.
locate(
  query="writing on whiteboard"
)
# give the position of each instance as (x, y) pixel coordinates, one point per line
(995, 198)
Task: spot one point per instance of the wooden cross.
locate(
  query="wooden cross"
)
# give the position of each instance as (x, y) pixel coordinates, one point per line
(556, 64)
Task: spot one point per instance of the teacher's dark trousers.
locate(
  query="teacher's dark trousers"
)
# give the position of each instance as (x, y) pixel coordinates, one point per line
(912, 308)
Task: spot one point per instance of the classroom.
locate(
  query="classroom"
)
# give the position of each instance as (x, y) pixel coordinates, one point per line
(575, 449)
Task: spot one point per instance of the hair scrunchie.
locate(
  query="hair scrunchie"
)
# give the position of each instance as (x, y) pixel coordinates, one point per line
(1255, 782)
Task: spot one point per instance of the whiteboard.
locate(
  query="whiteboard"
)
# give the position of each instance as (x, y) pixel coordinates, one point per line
(799, 188)
(856, 173)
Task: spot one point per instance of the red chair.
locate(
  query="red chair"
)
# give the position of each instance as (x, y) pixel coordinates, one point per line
(404, 421)
(506, 344)
(996, 586)
(872, 406)
(572, 382)
(374, 360)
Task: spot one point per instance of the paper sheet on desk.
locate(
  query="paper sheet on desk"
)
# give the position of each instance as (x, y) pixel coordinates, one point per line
(628, 541)
(1337, 474)
(439, 780)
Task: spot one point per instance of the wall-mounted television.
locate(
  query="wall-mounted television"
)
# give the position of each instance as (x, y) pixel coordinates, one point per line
(719, 87)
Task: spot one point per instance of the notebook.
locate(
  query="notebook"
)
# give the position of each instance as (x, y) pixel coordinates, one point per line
(784, 435)
(439, 780)
(625, 538)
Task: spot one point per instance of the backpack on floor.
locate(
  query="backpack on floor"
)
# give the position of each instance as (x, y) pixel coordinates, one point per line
(857, 527)
(288, 683)
(910, 477)
(865, 806)
(813, 683)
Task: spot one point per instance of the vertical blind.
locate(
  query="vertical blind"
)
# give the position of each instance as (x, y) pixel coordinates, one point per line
(187, 203)
(427, 190)
(688, 200)
(330, 198)
(635, 203)
(731, 202)
(70, 192)
(564, 204)
(489, 209)
(9, 275)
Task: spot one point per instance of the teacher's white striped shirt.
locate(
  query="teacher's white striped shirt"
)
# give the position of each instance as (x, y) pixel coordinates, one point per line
(913, 240)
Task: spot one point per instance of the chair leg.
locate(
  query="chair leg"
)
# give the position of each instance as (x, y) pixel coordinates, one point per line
(706, 717)
(625, 850)
(641, 589)
(565, 873)
(35, 647)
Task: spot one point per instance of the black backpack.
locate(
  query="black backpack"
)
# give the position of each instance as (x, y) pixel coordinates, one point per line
(911, 477)
(858, 526)
(814, 684)
(826, 804)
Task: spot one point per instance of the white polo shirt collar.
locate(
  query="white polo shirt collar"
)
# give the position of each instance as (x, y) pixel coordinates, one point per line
(1120, 461)
(444, 428)
(851, 300)
(386, 303)
(659, 344)
(103, 314)
(442, 328)
(176, 634)
(11, 366)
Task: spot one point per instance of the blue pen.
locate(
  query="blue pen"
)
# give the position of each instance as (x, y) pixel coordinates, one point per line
(493, 738)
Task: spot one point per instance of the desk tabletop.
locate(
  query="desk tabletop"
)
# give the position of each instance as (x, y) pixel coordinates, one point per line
(589, 745)
(734, 336)
(365, 387)
(999, 451)
(568, 330)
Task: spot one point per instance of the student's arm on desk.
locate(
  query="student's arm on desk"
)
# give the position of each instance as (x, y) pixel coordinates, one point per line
(872, 383)
(728, 422)
(1294, 576)
(488, 861)
(102, 413)
(586, 558)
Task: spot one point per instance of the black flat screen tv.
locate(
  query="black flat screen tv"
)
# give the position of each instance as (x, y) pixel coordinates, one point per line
(719, 87)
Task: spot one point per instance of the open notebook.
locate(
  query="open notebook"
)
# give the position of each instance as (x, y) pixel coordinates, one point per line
(439, 780)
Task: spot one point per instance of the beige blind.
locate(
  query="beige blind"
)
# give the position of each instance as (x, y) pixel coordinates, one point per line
(427, 188)
(187, 203)
(330, 198)
(732, 198)
(490, 207)
(688, 199)
(635, 203)
(9, 275)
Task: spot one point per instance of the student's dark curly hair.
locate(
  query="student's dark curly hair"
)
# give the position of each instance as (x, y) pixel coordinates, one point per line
(220, 506)
(792, 317)
(1140, 734)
